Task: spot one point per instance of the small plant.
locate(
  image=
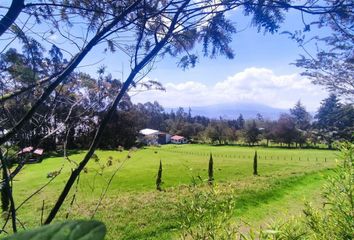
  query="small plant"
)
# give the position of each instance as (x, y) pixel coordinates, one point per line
(211, 170)
(206, 215)
(120, 148)
(95, 157)
(255, 164)
(53, 174)
(110, 161)
(159, 178)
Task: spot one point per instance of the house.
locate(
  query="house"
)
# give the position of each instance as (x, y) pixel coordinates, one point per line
(152, 137)
(178, 139)
(31, 155)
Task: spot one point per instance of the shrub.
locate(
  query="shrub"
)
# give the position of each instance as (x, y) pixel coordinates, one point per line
(159, 178)
(95, 157)
(255, 164)
(211, 170)
(207, 215)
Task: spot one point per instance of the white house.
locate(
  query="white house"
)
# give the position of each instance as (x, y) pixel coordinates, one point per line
(152, 136)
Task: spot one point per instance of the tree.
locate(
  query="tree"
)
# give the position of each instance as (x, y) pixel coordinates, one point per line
(346, 123)
(269, 131)
(240, 122)
(327, 119)
(219, 131)
(252, 133)
(334, 120)
(255, 164)
(333, 64)
(159, 178)
(302, 121)
(301, 117)
(211, 170)
(285, 130)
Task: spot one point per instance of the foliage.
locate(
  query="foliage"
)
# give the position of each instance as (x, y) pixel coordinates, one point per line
(78, 229)
(211, 170)
(252, 133)
(255, 164)
(301, 117)
(206, 215)
(159, 178)
(285, 130)
(332, 65)
(334, 120)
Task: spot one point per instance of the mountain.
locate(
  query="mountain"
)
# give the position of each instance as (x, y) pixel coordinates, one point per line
(232, 111)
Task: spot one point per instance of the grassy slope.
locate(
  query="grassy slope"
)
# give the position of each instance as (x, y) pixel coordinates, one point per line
(134, 210)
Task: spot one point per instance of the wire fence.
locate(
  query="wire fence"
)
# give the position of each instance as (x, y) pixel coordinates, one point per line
(248, 156)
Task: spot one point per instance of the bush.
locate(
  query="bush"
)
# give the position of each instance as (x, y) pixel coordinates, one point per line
(207, 215)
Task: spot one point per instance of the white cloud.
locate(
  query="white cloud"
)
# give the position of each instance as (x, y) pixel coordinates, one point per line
(257, 85)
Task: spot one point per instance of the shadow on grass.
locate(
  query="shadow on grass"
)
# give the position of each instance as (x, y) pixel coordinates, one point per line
(167, 226)
(277, 190)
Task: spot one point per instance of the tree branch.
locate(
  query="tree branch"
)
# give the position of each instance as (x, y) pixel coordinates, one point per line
(11, 15)
(99, 132)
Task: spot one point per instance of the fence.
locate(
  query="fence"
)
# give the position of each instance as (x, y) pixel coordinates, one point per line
(248, 156)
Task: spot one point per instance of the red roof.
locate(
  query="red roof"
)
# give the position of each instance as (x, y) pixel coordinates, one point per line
(26, 150)
(38, 151)
(176, 137)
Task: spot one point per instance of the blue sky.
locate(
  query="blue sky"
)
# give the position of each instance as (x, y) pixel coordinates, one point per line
(259, 73)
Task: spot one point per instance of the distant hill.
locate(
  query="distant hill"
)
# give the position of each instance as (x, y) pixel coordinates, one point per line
(232, 111)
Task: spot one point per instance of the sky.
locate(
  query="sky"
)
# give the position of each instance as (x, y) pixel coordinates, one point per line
(261, 71)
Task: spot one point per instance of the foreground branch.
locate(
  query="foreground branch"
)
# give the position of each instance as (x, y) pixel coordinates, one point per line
(74, 174)
(10, 17)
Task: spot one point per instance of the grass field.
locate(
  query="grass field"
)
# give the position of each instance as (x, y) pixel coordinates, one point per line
(133, 209)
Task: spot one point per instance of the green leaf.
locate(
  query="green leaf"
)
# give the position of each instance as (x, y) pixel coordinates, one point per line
(68, 230)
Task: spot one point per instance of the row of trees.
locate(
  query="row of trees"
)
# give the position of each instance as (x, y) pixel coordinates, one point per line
(74, 119)
(334, 121)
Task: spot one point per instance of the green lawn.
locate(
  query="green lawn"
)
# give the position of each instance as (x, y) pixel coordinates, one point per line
(133, 209)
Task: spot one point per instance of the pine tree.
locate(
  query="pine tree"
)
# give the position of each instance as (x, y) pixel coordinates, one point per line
(159, 178)
(255, 172)
(211, 170)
